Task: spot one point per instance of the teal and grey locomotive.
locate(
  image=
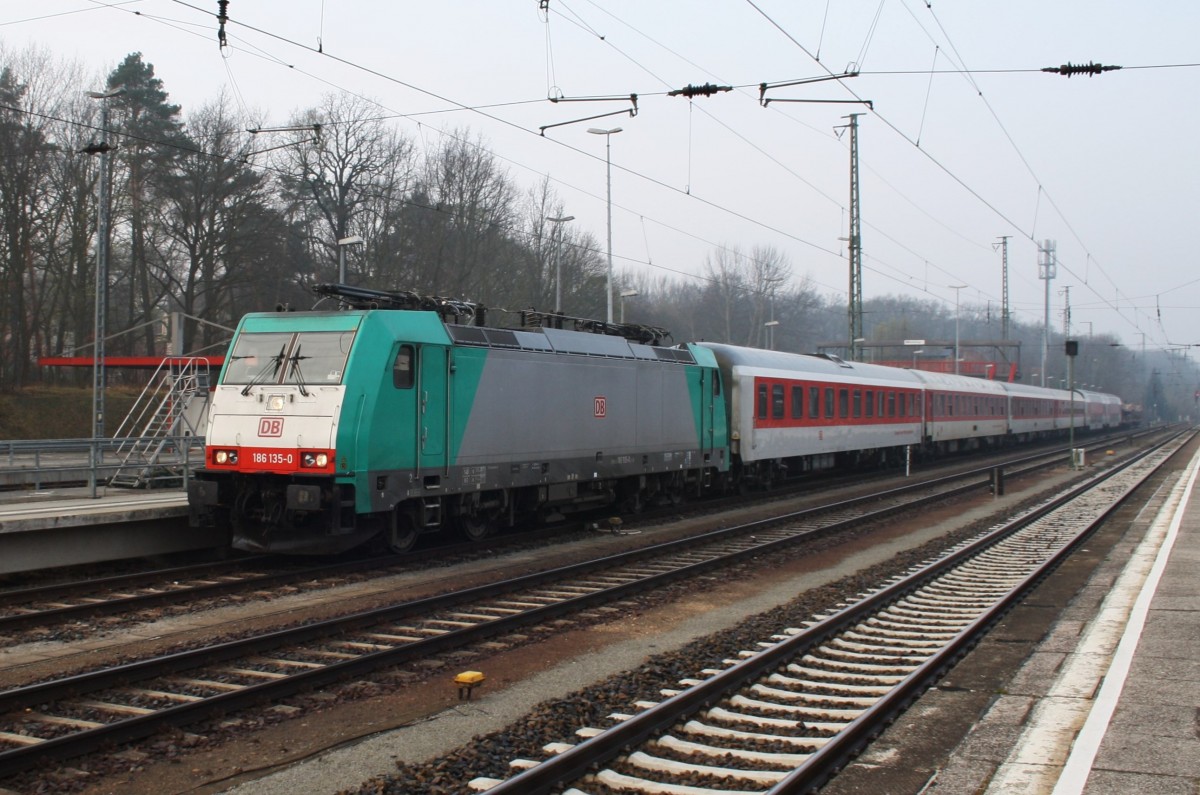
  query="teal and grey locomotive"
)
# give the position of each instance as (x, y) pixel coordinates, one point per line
(392, 418)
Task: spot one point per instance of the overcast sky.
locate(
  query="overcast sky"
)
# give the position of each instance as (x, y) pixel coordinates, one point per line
(966, 142)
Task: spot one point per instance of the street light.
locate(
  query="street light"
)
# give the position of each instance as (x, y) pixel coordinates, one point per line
(626, 294)
(956, 288)
(771, 324)
(558, 259)
(608, 134)
(353, 240)
(915, 357)
(98, 378)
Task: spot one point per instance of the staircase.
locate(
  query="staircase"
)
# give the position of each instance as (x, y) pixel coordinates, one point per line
(160, 435)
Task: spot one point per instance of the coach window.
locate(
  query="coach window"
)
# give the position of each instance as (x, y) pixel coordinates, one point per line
(814, 397)
(870, 403)
(762, 401)
(402, 370)
(858, 403)
(879, 396)
(829, 404)
(797, 402)
(891, 404)
(844, 403)
(777, 402)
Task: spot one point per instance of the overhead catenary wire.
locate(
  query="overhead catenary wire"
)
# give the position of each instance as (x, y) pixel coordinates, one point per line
(465, 108)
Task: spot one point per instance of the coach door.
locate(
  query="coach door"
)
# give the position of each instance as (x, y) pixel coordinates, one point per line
(431, 410)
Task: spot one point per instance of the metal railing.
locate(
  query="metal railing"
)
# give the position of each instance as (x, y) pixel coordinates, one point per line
(49, 462)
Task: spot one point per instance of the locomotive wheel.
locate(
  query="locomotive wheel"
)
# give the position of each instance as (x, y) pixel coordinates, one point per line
(475, 528)
(402, 533)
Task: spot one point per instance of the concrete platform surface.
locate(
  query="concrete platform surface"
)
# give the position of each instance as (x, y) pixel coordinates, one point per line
(67, 527)
(1111, 704)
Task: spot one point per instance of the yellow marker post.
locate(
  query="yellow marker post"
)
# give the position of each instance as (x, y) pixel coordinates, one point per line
(468, 681)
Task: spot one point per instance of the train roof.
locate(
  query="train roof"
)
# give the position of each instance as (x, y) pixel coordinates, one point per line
(959, 382)
(428, 327)
(552, 340)
(808, 363)
(1029, 390)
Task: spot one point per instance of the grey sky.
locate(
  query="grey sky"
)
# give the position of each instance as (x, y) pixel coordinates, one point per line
(1106, 166)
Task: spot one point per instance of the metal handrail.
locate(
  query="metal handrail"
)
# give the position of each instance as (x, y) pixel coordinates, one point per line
(29, 456)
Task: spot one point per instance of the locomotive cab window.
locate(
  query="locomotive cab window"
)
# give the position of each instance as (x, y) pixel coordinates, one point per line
(287, 357)
(402, 368)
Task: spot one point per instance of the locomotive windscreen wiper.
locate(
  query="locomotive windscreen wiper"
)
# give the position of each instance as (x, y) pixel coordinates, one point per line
(294, 360)
(270, 368)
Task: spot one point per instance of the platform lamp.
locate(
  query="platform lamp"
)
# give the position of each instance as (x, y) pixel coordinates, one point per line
(771, 324)
(626, 294)
(558, 259)
(98, 376)
(956, 288)
(608, 134)
(352, 240)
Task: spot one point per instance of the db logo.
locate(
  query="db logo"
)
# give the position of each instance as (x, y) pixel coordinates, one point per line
(270, 426)
(601, 407)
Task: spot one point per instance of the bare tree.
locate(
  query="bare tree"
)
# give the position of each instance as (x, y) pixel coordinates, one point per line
(223, 238)
(349, 181)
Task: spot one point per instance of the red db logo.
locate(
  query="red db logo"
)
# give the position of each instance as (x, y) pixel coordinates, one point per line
(601, 407)
(270, 426)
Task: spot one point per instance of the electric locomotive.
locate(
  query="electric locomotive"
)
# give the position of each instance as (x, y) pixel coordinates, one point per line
(401, 415)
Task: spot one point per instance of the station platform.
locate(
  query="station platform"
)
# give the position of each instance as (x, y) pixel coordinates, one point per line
(1109, 702)
(42, 529)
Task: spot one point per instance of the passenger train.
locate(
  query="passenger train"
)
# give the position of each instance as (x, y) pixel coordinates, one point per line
(398, 415)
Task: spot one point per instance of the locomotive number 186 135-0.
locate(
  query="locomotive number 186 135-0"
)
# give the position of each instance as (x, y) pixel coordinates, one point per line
(285, 459)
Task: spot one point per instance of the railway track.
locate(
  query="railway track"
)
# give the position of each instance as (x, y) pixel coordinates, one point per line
(46, 606)
(785, 716)
(68, 717)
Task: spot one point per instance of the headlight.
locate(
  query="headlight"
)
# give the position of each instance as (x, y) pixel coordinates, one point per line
(275, 403)
(314, 460)
(225, 457)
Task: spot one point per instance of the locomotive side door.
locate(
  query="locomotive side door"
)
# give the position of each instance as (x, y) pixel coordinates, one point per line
(431, 408)
(708, 380)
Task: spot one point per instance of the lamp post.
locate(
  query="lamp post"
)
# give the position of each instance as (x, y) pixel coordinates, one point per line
(558, 259)
(608, 134)
(626, 294)
(771, 324)
(102, 232)
(915, 353)
(956, 288)
(353, 240)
